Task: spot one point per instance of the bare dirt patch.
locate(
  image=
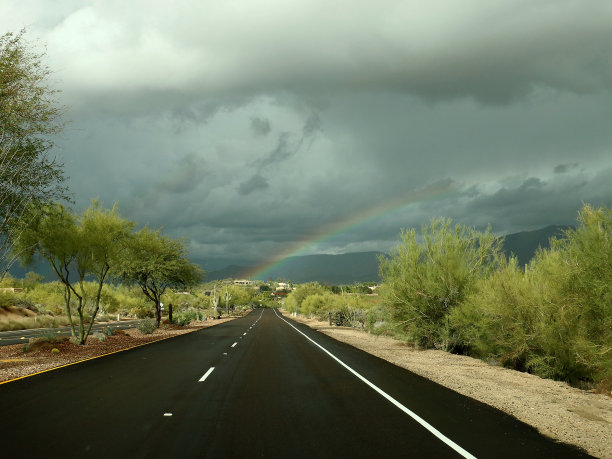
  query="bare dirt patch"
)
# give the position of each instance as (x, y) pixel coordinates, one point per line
(562, 412)
(15, 363)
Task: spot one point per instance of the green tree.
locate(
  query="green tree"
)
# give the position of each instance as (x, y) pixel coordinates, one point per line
(76, 246)
(29, 117)
(424, 280)
(155, 263)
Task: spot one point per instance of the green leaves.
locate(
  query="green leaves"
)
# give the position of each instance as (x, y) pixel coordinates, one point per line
(425, 278)
(155, 263)
(76, 246)
(555, 318)
(29, 117)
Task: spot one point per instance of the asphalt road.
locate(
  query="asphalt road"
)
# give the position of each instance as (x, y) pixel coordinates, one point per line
(24, 336)
(253, 387)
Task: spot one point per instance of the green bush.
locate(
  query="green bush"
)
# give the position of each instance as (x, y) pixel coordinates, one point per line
(295, 299)
(109, 331)
(147, 326)
(499, 320)
(7, 299)
(424, 281)
(185, 317)
(554, 319)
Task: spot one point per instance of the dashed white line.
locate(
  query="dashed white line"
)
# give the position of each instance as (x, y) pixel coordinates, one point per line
(244, 334)
(439, 435)
(234, 344)
(207, 374)
(167, 414)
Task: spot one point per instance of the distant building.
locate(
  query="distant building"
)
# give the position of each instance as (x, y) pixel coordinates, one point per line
(243, 282)
(11, 290)
(282, 286)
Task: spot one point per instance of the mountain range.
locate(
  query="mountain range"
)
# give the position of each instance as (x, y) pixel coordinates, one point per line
(359, 267)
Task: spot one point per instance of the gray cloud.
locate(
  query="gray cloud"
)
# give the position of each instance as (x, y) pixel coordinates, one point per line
(260, 126)
(263, 130)
(564, 168)
(257, 182)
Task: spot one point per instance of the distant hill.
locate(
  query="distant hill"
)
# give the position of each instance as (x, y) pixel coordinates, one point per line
(347, 268)
(350, 268)
(525, 244)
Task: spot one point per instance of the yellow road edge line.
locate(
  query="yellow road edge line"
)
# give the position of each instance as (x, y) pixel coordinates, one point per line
(92, 358)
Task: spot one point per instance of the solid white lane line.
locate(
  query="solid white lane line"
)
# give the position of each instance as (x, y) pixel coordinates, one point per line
(439, 435)
(234, 344)
(207, 374)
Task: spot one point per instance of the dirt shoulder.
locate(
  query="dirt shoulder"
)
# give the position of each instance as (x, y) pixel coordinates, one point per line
(15, 363)
(556, 409)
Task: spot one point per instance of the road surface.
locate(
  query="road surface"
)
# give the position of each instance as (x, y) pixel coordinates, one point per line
(257, 386)
(24, 336)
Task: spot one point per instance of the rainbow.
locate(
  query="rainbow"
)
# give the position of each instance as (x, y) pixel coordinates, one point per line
(436, 191)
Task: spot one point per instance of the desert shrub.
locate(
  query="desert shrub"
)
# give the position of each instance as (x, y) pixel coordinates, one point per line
(99, 336)
(109, 331)
(294, 300)
(49, 335)
(55, 351)
(555, 319)
(142, 311)
(185, 317)
(49, 295)
(317, 304)
(575, 337)
(6, 299)
(424, 281)
(499, 319)
(147, 326)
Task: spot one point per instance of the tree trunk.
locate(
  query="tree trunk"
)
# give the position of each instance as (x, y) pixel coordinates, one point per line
(158, 312)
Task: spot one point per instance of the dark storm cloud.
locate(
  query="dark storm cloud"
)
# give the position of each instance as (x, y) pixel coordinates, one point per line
(187, 173)
(260, 126)
(283, 150)
(256, 182)
(535, 203)
(286, 148)
(248, 132)
(563, 168)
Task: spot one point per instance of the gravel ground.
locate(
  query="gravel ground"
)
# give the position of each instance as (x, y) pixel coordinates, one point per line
(15, 363)
(556, 409)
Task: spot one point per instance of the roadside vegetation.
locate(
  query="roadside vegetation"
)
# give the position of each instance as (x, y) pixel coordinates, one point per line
(32, 303)
(451, 288)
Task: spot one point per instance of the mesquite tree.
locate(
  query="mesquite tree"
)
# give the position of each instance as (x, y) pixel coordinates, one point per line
(29, 118)
(155, 263)
(77, 247)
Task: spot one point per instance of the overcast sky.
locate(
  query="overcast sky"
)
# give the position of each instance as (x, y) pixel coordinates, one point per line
(250, 126)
